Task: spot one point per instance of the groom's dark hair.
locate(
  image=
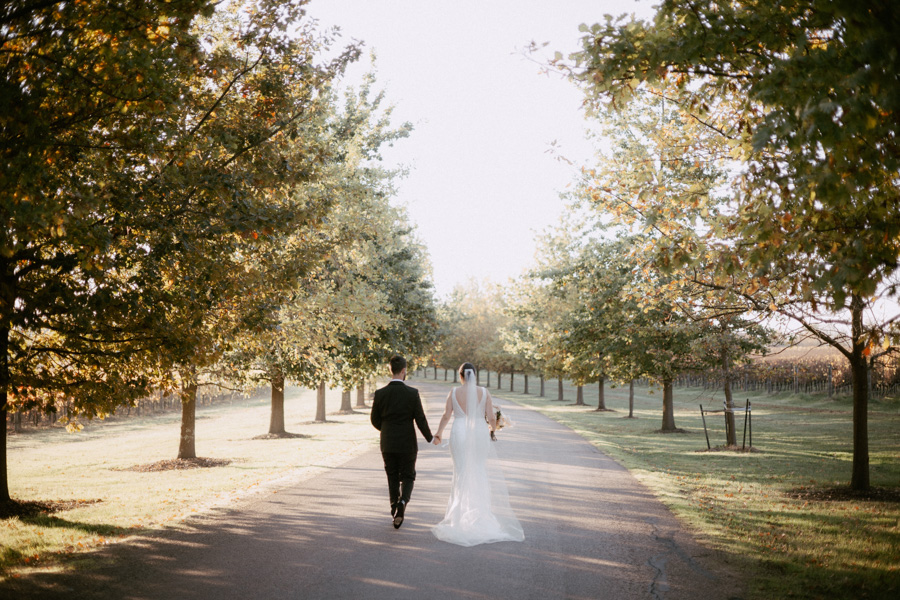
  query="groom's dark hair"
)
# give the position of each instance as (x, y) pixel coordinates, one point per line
(398, 363)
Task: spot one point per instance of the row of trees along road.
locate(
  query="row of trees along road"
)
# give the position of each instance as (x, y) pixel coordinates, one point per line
(754, 168)
(188, 199)
(747, 175)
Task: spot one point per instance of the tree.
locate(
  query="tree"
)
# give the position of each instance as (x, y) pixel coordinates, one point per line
(727, 342)
(806, 96)
(336, 263)
(254, 134)
(544, 307)
(593, 281)
(408, 323)
(152, 152)
(518, 333)
(625, 316)
(89, 93)
(470, 329)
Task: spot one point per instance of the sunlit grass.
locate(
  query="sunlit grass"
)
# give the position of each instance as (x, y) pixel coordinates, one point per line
(52, 465)
(766, 506)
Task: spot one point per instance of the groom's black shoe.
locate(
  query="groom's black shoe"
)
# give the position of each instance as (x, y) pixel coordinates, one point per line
(394, 509)
(398, 515)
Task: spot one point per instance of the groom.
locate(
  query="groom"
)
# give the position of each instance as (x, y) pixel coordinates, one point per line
(395, 408)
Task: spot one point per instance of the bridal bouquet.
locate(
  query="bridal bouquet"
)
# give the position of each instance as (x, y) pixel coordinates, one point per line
(502, 421)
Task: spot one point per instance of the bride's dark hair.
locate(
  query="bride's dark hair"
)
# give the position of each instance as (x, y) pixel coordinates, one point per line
(463, 368)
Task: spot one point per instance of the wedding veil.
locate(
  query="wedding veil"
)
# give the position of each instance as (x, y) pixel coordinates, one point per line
(474, 405)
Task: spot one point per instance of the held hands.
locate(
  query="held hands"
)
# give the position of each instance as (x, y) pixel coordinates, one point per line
(436, 440)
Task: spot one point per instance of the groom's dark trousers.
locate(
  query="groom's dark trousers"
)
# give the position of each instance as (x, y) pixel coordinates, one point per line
(396, 407)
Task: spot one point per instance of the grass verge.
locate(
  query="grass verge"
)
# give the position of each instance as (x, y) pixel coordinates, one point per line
(106, 483)
(783, 508)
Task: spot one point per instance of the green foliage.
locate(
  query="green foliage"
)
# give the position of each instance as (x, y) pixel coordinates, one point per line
(176, 178)
(471, 320)
(806, 97)
(362, 292)
(89, 95)
(799, 104)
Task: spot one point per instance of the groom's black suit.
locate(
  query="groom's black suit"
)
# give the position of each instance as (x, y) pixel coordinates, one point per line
(396, 407)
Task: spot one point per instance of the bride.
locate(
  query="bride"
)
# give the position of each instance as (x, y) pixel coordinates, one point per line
(478, 511)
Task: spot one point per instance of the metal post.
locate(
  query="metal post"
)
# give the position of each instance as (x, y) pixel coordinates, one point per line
(746, 412)
(750, 419)
(725, 414)
(702, 416)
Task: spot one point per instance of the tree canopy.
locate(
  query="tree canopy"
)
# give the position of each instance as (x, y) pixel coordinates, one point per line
(173, 174)
(803, 97)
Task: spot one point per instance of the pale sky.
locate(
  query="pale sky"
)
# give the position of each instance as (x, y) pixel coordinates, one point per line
(482, 178)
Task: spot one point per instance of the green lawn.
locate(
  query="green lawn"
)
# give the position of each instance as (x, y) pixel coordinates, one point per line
(110, 503)
(769, 506)
(774, 506)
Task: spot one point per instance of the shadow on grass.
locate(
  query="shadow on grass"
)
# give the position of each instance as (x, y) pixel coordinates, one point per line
(845, 494)
(38, 513)
(101, 529)
(25, 509)
(803, 560)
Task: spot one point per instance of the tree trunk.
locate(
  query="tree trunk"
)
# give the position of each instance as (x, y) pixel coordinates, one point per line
(631, 399)
(8, 292)
(445, 374)
(276, 420)
(560, 395)
(361, 395)
(512, 380)
(730, 435)
(859, 478)
(454, 375)
(4, 397)
(320, 403)
(435, 372)
(668, 420)
(186, 448)
(499, 380)
(346, 404)
(526, 383)
(602, 394)
(542, 386)
(579, 395)
(488, 384)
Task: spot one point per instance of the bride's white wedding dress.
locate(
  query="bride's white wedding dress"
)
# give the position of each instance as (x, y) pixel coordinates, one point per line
(478, 511)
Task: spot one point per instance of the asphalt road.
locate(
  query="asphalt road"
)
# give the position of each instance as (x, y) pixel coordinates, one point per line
(591, 531)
